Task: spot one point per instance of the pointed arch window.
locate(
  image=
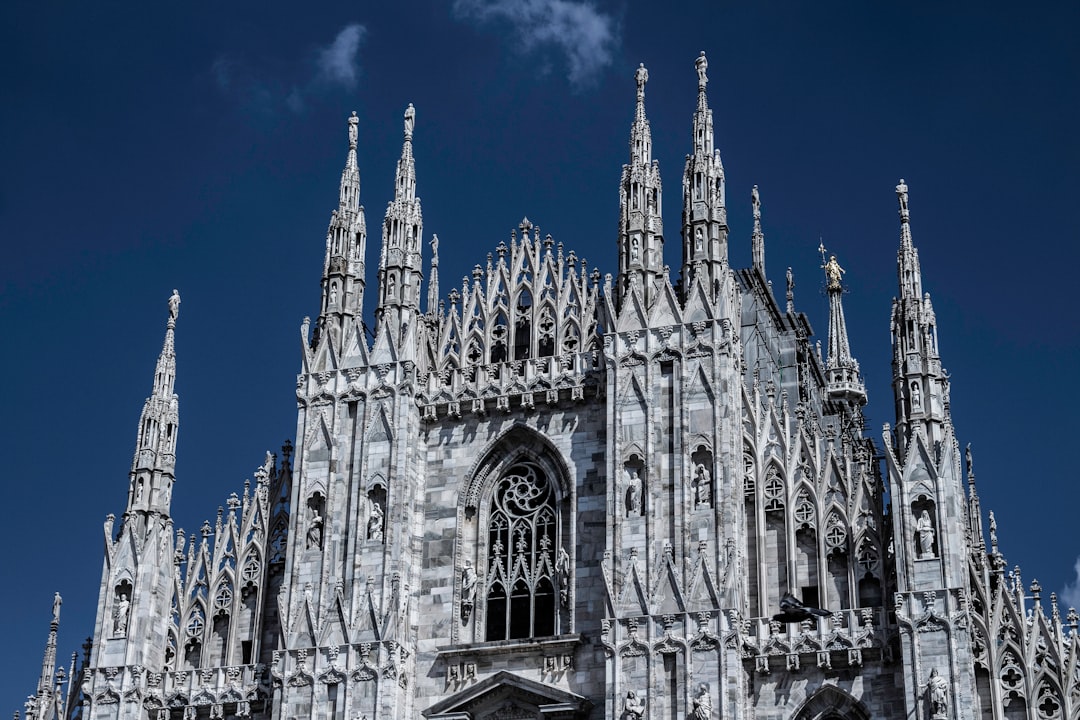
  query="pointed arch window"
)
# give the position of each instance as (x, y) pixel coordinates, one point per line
(521, 542)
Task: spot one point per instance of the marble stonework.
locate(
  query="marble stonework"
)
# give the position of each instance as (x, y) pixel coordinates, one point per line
(562, 494)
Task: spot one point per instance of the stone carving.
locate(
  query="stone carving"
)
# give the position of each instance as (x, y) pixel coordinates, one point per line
(353, 122)
(375, 522)
(633, 493)
(57, 601)
(701, 708)
(314, 533)
(468, 591)
(633, 706)
(916, 396)
(174, 305)
(701, 64)
(924, 529)
(120, 616)
(641, 76)
(410, 121)
(562, 569)
(937, 691)
(702, 486)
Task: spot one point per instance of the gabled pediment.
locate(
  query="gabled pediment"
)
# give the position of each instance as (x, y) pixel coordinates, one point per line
(512, 696)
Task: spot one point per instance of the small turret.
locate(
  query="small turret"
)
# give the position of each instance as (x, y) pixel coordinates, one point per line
(704, 219)
(641, 225)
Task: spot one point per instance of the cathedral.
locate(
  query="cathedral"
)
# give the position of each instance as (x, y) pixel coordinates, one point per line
(557, 493)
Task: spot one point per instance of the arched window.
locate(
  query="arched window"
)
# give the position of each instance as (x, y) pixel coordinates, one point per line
(522, 542)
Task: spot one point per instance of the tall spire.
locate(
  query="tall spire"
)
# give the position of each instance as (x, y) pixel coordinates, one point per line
(400, 271)
(758, 236)
(844, 384)
(920, 385)
(704, 218)
(48, 662)
(153, 467)
(641, 225)
(433, 281)
(346, 245)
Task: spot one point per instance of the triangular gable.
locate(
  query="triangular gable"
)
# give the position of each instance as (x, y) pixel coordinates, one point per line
(665, 310)
(505, 689)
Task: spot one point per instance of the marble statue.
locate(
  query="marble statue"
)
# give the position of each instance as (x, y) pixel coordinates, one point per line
(174, 305)
(120, 616)
(925, 530)
(701, 708)
(938, 690)
(633, 706)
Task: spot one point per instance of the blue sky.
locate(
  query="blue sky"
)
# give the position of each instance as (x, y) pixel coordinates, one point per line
(199, 146)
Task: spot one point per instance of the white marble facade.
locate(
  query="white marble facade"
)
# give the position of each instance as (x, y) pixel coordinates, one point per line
(560, 494)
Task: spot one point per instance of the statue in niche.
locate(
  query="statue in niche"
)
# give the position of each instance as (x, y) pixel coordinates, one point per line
(697, 240)
(139, 491)
(633, 494)
(924, 529)
(633, 706)
(468, 591)
(937, 688)
(916, 397)
(635, 250)
(314, 533)
(703, 483)
(562, 569)
(333, 295)
(391, 286)
(120, 616)
(375, 522)
(701, 708)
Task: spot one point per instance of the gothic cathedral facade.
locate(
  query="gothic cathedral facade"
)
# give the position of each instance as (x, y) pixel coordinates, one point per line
(557, 494)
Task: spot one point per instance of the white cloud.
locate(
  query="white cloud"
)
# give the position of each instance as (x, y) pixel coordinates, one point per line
(338, 62)
(269, 88)
(1070, 594)
(585, 36)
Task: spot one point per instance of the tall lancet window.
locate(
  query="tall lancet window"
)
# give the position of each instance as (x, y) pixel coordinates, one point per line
(522, 545)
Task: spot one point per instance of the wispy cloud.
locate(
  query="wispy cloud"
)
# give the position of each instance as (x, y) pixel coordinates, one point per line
(1070, 594)
(585, 36)
(338, 62)
(271, 88)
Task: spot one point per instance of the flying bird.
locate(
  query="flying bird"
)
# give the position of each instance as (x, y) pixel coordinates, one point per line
(792, 610)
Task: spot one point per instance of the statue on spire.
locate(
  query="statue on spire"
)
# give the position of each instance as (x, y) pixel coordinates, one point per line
(353, 122)
(642, 77)
(755, 200)
(901, 194)
(410, 121)
(702, 64)
(174, 305)
(833, 272)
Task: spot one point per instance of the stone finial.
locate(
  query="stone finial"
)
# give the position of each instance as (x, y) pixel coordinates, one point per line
(641, 76)
(410, 121)
(174, 306)
(902, 196)
(353, 122)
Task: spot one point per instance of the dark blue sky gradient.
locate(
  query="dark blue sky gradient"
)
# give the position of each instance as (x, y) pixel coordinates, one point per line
(199, 146)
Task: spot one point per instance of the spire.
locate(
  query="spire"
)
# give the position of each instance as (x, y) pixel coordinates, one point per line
(704, 218)
(346, 246)
(153, 467)
(48, 662)
(920, 385)
(433, 282)
(400, 271)
(758, 236)
(641, 225)
(843, 382)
